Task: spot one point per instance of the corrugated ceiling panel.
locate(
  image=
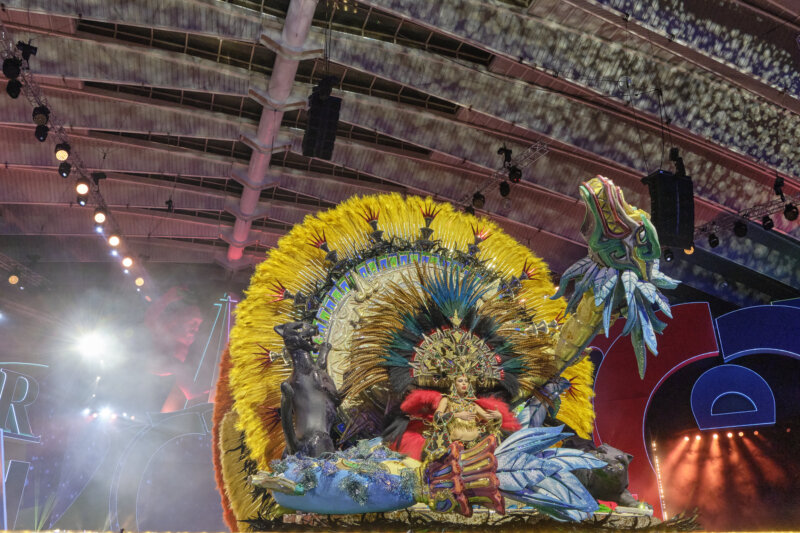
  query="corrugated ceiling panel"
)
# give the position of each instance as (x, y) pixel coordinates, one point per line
(125, 113)
(216, 19)
(119, 155)
(111, 62)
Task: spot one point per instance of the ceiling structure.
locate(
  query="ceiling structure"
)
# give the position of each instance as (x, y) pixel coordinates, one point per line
(166, 96)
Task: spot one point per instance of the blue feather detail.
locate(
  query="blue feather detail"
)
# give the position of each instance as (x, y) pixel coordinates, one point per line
(452, 292)
(658, 325)
(577, 269)
(640, 350)
(531, 473)
(607, 312)
(640, 297)
(647, 330)
(660, 280)
(515, 366)
(604, 283)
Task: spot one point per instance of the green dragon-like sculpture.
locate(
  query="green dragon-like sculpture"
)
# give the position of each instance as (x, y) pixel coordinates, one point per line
(620, 275)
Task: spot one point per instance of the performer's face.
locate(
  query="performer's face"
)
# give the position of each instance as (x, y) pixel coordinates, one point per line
(462, 385)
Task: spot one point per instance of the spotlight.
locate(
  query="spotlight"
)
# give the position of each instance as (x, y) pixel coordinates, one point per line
(13, 88)
(99, 215)
(790, 212)
(26, 49)
(767, 223)
(139, 282)
(777, 187)
(730, 435)
(506, 153)
(113, 240)
(41, 114)
(64, 169)
(82, 186)
(689, 250)
(755, 432)
(741, 433)
(82, 200)
(92, 345)
(505, 189)
(686, 438)
(62, 151)
(127, 262)
(716, 436)
(668, 255)
(740, 228)
(11, 67)
(514, 174)
(41, 133)
(478, 200)
(697, 437)
(13, 279)
(713, 240)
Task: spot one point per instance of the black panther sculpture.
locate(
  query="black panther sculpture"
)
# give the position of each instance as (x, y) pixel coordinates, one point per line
(609, 483)
(308, 398)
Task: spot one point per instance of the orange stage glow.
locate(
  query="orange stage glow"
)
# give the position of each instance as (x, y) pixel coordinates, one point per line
(728, 479)
(769, 470)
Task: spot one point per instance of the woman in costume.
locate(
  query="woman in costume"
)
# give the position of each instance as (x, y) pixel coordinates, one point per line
(460, 418)
(456, 417)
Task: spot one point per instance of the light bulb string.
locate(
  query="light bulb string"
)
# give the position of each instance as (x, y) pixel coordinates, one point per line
(36, 97)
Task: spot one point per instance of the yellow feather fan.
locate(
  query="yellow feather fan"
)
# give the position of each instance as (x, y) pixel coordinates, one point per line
(300, 266)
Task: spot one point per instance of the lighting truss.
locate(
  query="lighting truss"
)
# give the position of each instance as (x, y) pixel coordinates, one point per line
(26, 275)
(36, 97)
(531, 154)
(756, 212)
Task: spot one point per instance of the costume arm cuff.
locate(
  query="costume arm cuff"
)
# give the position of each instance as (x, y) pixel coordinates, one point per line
(441, 419)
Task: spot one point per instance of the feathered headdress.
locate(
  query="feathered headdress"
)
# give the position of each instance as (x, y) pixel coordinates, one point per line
(442, 323)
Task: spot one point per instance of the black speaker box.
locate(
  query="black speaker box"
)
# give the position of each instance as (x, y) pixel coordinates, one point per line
(672, 208)
(323, 119)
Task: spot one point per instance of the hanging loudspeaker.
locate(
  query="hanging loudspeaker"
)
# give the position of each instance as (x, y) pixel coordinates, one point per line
(323, 119)
(672, 208)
